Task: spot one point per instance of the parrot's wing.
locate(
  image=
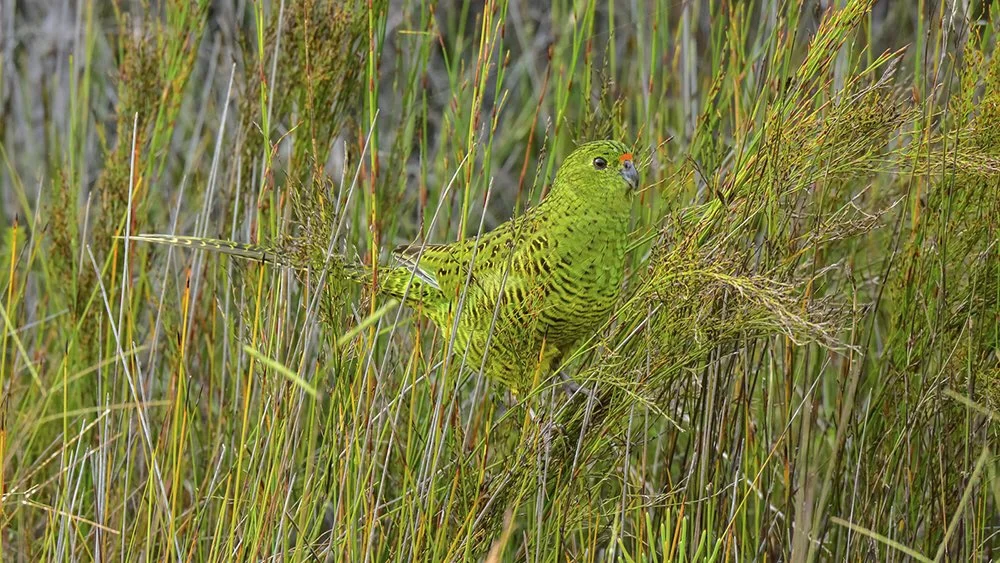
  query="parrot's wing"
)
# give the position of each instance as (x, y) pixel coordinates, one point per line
(422, 274)
(425, 263)
(495, 260)
(446, 266)
(433, 264)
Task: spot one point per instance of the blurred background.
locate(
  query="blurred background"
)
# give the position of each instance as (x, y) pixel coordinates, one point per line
(803, 365)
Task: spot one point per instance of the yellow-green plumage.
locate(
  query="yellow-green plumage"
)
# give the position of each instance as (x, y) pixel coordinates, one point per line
(525, 293)
(536, 285)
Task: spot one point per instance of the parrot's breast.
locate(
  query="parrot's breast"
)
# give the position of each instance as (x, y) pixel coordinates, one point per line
(586, 281)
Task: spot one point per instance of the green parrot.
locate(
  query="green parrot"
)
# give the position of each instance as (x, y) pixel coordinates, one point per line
(521, 296)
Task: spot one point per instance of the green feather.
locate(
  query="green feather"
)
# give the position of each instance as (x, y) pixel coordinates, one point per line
(535, 286)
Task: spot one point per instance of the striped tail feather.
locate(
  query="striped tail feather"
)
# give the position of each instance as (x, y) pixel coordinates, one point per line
(257, 253)
(242, 250)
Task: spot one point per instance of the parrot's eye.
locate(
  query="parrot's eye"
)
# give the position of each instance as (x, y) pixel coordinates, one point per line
(600, 163)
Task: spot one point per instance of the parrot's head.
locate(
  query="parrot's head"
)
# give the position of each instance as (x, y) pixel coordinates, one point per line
(600, 166)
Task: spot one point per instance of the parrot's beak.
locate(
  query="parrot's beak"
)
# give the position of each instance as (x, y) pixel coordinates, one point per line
(629, 172)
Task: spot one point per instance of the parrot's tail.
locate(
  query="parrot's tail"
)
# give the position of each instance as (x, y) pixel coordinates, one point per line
(248, 251)
(257, 253)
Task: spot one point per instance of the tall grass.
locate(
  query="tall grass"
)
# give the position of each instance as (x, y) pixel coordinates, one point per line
(805, 362)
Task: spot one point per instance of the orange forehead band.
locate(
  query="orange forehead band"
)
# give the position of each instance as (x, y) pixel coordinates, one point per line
(624, 157)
